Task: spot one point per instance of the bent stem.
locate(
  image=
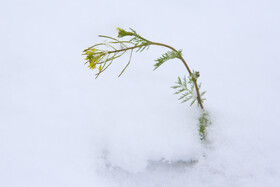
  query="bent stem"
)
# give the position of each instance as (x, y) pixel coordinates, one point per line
(149, 43)
(104, 58)
(189, 71)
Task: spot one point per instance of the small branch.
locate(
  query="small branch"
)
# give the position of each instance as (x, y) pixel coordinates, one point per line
(127, 63)
(128, 48)
(181, 58)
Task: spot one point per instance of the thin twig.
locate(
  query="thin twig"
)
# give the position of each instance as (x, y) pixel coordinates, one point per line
(127, 63)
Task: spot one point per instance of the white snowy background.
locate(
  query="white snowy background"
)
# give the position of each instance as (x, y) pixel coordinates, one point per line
(61, 127)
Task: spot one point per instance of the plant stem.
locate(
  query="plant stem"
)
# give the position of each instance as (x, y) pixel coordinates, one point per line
(173, 49)
(189, 70)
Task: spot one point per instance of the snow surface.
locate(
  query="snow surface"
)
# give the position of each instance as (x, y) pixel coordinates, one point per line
(61, 127)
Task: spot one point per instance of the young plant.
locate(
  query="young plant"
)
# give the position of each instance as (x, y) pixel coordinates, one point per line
(101, 55)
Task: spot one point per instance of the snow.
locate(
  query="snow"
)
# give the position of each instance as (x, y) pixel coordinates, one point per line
(61, 127)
